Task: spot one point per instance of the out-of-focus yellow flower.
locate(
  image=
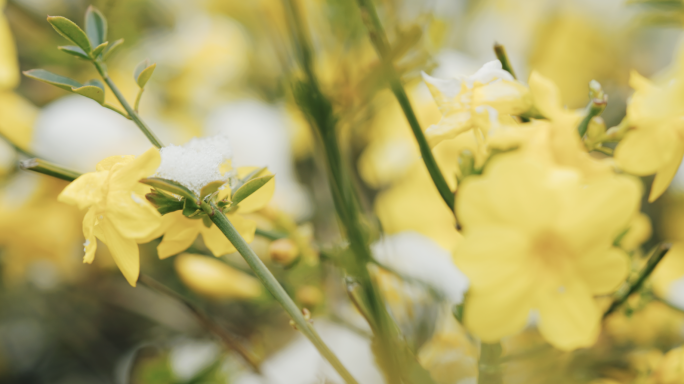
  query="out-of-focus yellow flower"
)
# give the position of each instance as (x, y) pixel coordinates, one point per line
(671, 369)
(180, 232)
(550, 239)
(213, 278)
(309, 295)
(547, 99)
(638, 233)
(478, 102)
(9, 65)
(449, 355)
(118, 213)
(655, 144)
(670, 268)
(283, 251)
(655, 324)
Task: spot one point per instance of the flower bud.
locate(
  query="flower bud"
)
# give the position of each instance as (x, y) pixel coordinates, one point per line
(309, 296)
(283, 251)
(210, 277)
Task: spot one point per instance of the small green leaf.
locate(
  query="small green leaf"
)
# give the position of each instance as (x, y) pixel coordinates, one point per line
(93, 89)
(248, 177)
(75, 51)
(99, 49)
(164, 202)
(250, 187)
(111, 48)
(51, 78)
(69, 30)
(143, 72)
(95, 26)
(191, 209)
(211, 188)
(169, 186)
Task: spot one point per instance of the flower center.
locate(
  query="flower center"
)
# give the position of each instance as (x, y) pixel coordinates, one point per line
(551, 251)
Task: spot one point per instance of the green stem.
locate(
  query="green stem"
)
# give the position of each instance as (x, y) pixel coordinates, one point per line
(489, 366)
(203, 319)
(117, 110)
(598, 103)
(382, 47)
(270, 235)
(137, 99)
(131, 113)
(48, 168)
(267, 278)
(652, 262)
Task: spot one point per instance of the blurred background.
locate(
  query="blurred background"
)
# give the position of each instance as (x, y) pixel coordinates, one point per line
(226, 67)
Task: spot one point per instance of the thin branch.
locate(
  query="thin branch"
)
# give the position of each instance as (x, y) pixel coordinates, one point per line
(47, 168)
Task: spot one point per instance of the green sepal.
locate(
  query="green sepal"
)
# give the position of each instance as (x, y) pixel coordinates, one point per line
(164, 203)
(169, 186)
(93, 89)
(69, 30)
(111, 48)
(74, 51)
(99, 49)
(207, 221)
(211, 188)
(143, 72)
(249, 188)
(191, 209)
(95, 26)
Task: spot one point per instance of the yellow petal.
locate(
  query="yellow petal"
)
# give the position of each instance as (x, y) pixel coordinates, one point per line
(17, 116)
(665, 174)
(261, 197)
(109, 162)
(509, 193)
(210, 277)
(569, 317)
(643, 151)
(132, 215)
(599, 211)
(124, 251)
(217, 242)
(603, 271)
(181, 232)
(639, 83)
(85, 191)
(90, 245)
(126, 175)
(450, 126)
(501, 284)
(546, 95)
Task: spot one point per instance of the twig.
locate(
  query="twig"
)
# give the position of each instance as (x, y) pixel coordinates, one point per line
(47, 168)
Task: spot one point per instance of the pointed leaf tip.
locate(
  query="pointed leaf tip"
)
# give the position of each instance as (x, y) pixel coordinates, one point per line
(70, 31)
(95, 26)
(249, 188)
(143, 72)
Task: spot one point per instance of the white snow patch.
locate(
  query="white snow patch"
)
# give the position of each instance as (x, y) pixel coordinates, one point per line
(419, 257)
(196, 163)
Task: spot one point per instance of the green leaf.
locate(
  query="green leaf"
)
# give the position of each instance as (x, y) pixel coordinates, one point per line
(169, 186)
(250, 187)
(211, 188)
(111, 48)
(93, 89)
(143, 72)
(75, 51)
(70, 31)
(51, 78)
(191, 209)
(99, 49)
(164, 202)
(95, 26)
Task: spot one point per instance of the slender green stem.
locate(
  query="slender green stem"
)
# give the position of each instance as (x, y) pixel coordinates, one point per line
(596, 105)
(117, 110)
(382, 47)
(137, 99)
(203, 319)
(16, 147)
(270, 282)
(652, 262)
(500, 52)
(489, 366)
(133, 114)
(270, 235)
(48, 168)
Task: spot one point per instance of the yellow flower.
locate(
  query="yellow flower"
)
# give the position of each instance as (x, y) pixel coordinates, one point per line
(118, 213)
(537, 238)
(478, 102)
(180, 232)
(671, 369)
(655, 144)
(9, 65)
(213, 278)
